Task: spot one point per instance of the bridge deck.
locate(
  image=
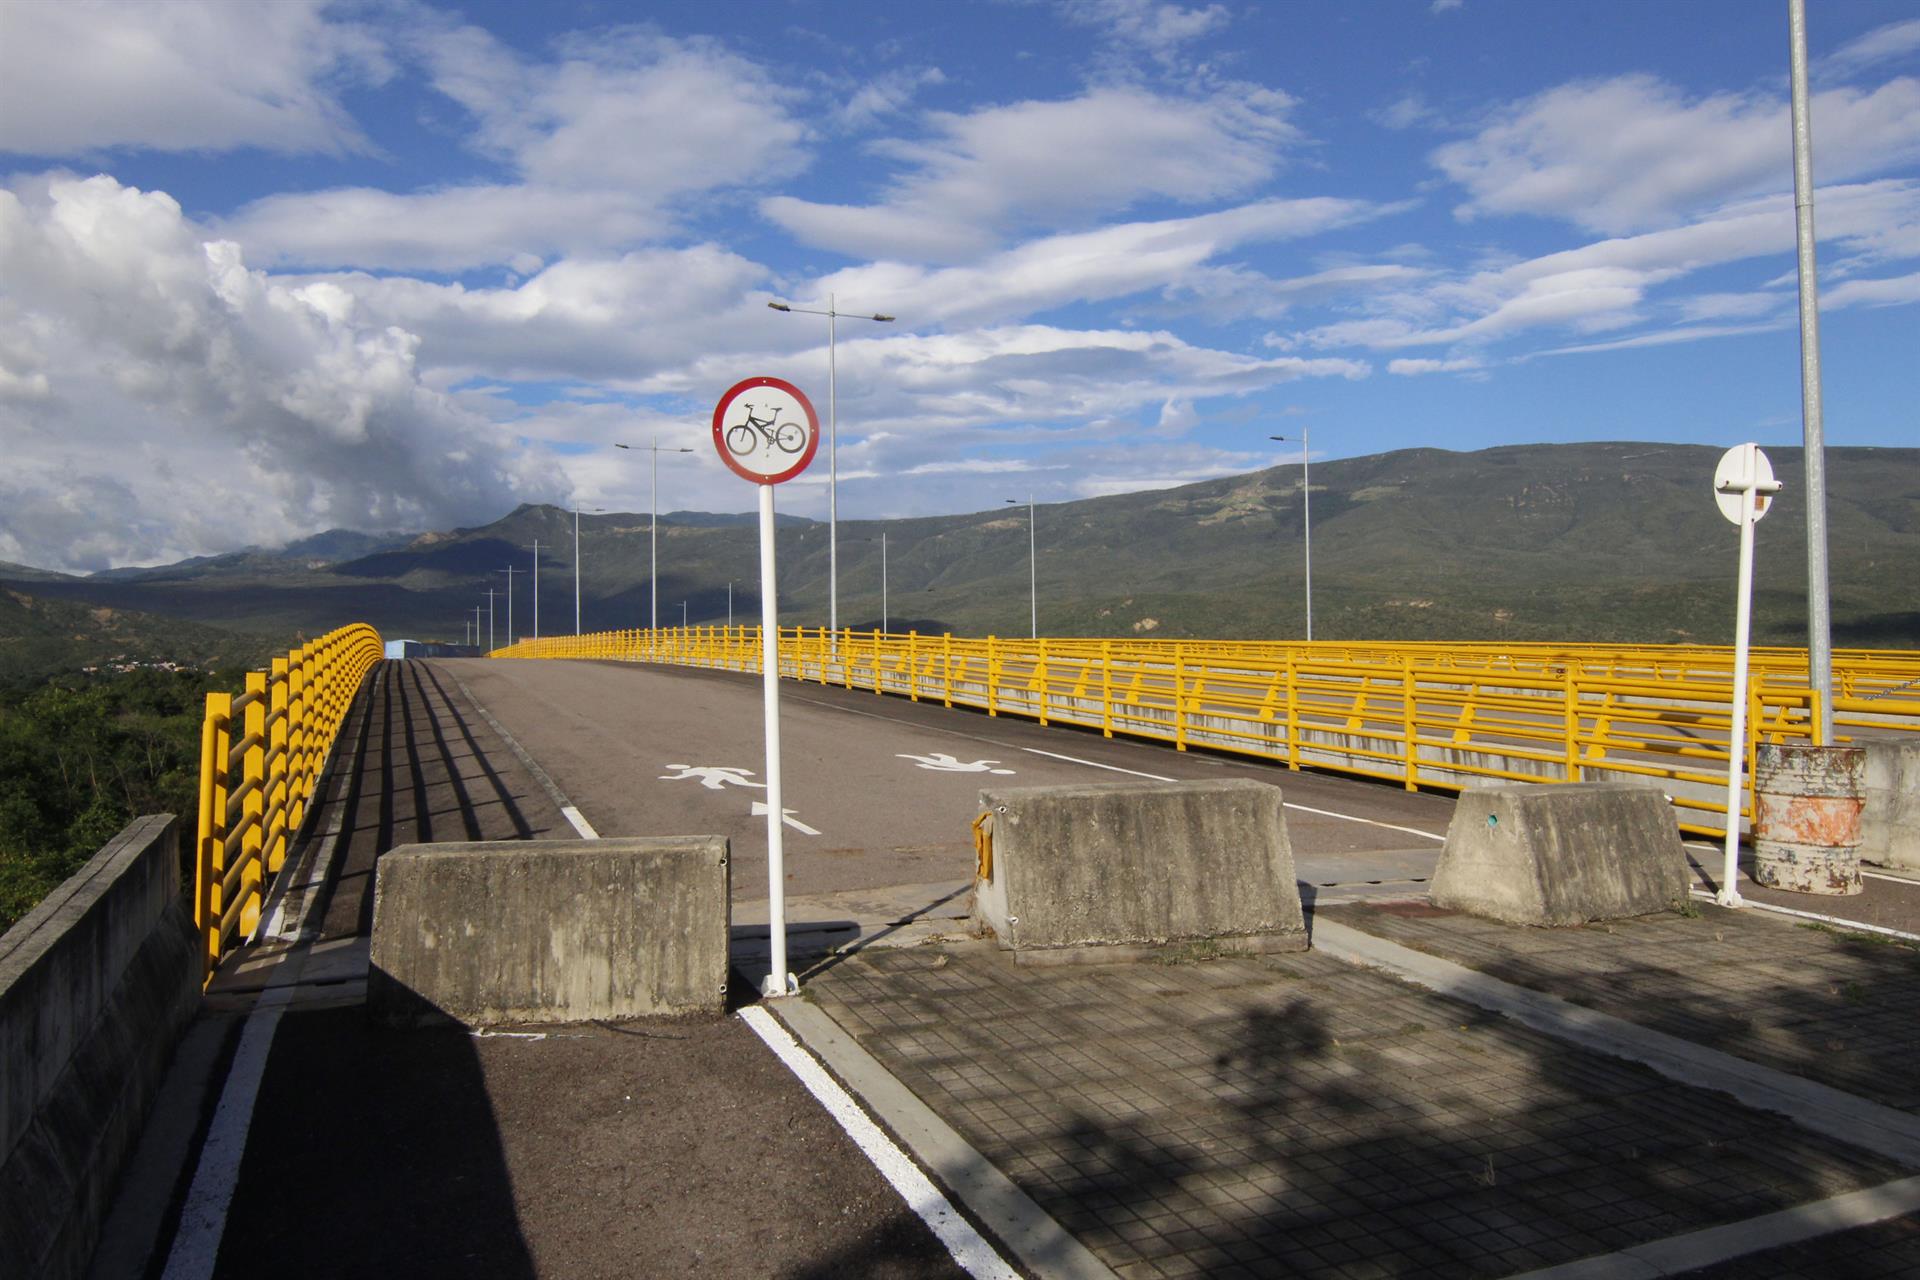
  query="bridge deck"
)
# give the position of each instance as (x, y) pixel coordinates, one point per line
(1227, 1117)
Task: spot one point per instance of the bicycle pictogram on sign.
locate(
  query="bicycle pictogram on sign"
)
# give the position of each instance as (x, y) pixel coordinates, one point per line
(765, 430)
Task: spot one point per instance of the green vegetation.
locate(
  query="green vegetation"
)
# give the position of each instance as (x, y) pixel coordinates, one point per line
(83, 756)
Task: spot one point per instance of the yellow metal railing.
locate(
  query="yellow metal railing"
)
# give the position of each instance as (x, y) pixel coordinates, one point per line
(1423, 715)
(260, 759)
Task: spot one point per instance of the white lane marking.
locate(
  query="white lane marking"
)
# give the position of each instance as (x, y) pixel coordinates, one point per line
(203, 1219)
(761, 810)
(1324, 813)
(1348, 817)
(941, 762)
(1095, 764)
(1839, 922)
(714, 777)
(968, 1247)
(579, 821)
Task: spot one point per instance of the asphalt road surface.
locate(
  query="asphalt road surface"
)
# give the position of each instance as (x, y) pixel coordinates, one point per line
(878, 791)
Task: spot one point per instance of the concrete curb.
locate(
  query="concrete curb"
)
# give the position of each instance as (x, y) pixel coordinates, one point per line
(1868, 1125)
(1041, 1244)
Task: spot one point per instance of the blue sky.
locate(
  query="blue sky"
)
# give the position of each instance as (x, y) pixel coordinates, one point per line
(271, 268)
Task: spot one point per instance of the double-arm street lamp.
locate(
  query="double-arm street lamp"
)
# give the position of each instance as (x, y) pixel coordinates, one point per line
(1306, 515)
(833, 452)
(653, 534)
(1033, 566)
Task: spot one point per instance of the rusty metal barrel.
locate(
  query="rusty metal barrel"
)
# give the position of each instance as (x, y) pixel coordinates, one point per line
(1806, 817)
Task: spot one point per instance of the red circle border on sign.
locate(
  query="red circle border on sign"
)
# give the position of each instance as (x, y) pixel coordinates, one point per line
(726, 455)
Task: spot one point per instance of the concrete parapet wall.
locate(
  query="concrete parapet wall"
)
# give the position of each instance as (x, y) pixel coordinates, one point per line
(1137, 865)
(97, 984)
(1562, 854)
(1890, 820)
(544, 931)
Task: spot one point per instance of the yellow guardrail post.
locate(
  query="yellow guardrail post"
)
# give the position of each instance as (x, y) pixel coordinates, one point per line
(1409, 720)
(1041, 674)
(253, 806)
(278, 789)
(210, 857)
(1106, 688)
(1292, 664)
(1179, 698)
(1570, 711)
(993, 675)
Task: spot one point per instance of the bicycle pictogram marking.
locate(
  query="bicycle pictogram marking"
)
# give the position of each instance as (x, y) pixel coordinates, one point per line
(744, 437)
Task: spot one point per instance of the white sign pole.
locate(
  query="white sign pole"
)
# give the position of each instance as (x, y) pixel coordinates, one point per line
(765, 430)
(778, 981)
(1745, 484)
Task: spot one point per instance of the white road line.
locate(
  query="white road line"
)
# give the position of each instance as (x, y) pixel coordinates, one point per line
(968, 1247)
(579, 822)
(1348, 817)
(1839, 922)
(1323, 813)
(203, 1219)
(1095, 764)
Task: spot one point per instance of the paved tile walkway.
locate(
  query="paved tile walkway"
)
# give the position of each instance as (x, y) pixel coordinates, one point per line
(1843, 1010)
(1295, 1115)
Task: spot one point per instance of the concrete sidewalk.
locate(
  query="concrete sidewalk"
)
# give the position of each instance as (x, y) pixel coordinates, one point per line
(1229, 1115)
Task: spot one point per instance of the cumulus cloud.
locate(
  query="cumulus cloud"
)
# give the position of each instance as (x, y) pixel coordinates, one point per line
(1889, 43)
(211, 401)
(1012, 167)
(1634, 152)
(606, 141)
(88, 75)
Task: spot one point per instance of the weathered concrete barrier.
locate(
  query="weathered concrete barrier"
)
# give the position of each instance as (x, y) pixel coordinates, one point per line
(1890, 820)
(1806, 817)
(537, 931)
(1561, 855)
(97, 984)
(1115, 870)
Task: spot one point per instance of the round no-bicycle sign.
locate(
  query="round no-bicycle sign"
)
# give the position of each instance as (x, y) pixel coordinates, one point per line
(765, 429)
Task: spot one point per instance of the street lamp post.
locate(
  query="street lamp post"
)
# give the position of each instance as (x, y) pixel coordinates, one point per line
(1033, 565)
(653, 536)
(683, 615)
(536, 588)
(510, 571)
(833, 453)
(883, 582)
(476, 626)
(576, 564)
(1306, 515)
(490, 594)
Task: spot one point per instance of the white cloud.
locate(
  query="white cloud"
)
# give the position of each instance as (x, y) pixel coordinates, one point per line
(1157, 27)
(1408, 368)
(1634, 152)
(222, 407)
(1883, 44)
(1049, 162)
(608, 141)
(88, 75)
(1873, 293)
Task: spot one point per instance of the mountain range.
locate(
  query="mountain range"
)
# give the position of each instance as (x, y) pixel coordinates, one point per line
(1609, 542)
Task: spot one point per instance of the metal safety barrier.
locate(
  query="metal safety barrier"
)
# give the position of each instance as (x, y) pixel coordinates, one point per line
(1422, 714)
(261, 755)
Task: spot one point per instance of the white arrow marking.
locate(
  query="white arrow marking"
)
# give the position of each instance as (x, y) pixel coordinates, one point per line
(941, 762)
(712, 776)
(760, 810)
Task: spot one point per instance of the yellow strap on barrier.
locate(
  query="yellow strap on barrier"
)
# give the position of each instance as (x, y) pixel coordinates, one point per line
(983, 844)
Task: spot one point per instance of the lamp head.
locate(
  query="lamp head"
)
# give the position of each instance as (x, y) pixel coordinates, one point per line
(779, 306)
(883, 319)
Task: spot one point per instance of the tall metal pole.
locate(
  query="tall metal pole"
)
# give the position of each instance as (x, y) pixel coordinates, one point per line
(1813, 432)
(833, 482)
(576, 570)
(490, 595)
(536, 588)
(832, 313)
(883, 582)
(1306, 515)
(476, 626)
(653, 545)
(510, 571)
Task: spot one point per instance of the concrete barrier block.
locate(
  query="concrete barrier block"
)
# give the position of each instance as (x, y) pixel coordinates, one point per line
(546, 931)
(1561, 854)
(1109, 870)
(1890, 818)
(97, 984)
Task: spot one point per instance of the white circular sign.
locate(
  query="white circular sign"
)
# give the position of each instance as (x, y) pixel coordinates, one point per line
(765, 429)
(1744, 482)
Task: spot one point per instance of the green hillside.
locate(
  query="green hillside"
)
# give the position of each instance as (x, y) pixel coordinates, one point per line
(1588, 542)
